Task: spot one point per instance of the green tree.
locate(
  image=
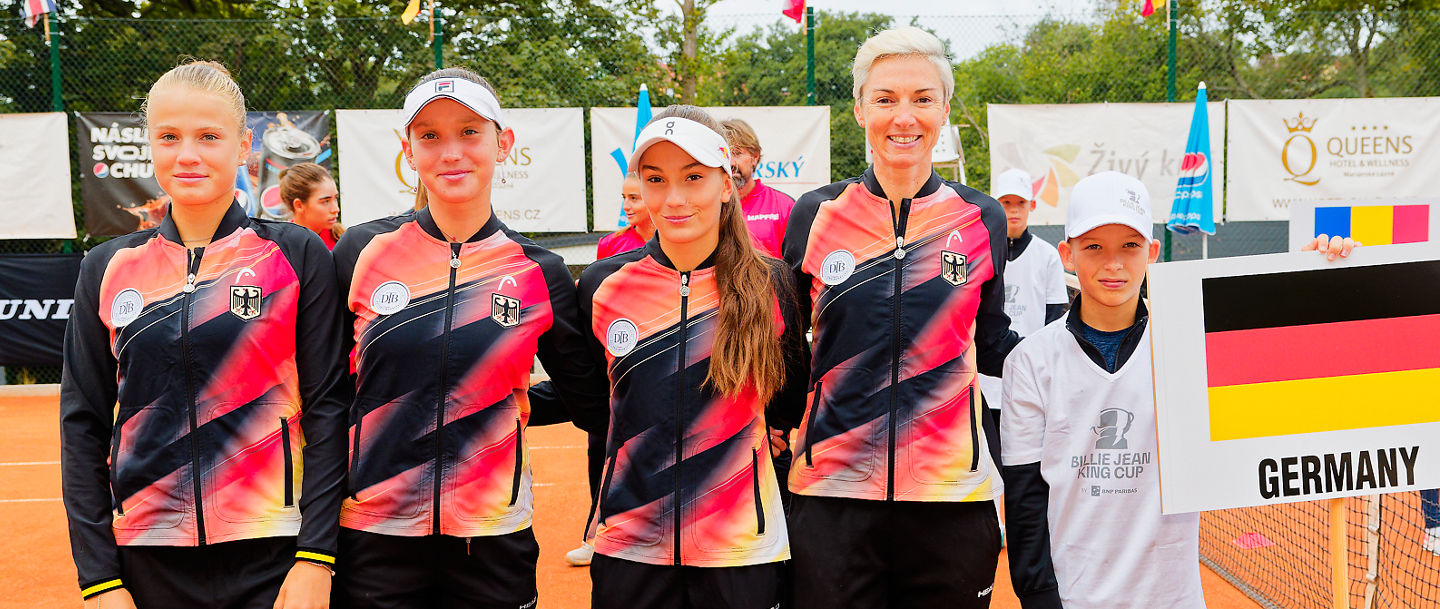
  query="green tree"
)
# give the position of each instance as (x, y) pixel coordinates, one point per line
(767, 68)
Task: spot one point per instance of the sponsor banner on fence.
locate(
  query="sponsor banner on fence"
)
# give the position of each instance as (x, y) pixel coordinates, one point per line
(539, 187)
(117, 177)
(1286, 378)
(794, 140)
(36, 295)
(36, 174)
(1337, 150)
(1057, 144)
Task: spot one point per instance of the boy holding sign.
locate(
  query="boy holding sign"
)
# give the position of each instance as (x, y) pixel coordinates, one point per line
(1082, 488)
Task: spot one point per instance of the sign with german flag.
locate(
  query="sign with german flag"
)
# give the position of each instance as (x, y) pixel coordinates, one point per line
(1288, 378)
(1371, 222)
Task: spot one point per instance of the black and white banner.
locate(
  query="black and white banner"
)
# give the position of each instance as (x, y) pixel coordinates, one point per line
(36, 295)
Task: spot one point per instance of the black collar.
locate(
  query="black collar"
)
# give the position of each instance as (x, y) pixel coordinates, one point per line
(233, 220)
(1017, 245)
(652, 248)
(427, 223)
(873, 185)
(1127, 344)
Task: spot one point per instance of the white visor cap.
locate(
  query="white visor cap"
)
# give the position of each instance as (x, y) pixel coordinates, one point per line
(1109, 197)
(472, 95)
(700, 142)
(1013, 182)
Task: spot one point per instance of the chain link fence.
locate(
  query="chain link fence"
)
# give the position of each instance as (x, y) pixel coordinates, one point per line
(591, 56)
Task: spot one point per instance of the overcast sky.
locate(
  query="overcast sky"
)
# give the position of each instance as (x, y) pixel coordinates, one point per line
(968, 26)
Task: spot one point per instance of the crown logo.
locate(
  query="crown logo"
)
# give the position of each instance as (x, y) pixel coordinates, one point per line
(1300, 123)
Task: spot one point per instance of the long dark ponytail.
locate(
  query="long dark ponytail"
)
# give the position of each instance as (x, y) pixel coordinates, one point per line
(747, 349)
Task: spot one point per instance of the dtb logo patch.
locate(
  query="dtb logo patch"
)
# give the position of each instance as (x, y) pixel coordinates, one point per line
(245, 301)
(953, 268)
(621, 337)
(505, 310)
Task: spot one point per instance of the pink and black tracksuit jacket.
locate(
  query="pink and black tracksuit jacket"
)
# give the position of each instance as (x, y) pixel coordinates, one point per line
(203, 398)
(905, 311)
(444, 337)
(688, 478)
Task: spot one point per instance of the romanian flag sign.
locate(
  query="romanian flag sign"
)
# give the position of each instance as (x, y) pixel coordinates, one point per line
(1375, 224)
(1288, 378)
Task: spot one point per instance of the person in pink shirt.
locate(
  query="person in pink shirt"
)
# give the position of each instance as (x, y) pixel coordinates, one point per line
(767, 210)
(640, 228)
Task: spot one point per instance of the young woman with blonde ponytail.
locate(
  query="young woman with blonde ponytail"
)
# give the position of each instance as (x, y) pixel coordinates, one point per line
(202, 406)
(701, 339)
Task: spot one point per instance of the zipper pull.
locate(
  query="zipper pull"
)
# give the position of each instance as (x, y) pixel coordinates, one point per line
(684, 284)
(467, 546)
(899, 247)
(455, 257)
(190, 279)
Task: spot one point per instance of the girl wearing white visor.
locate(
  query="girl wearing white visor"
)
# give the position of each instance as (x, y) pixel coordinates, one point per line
(448, 309)
(701, 339)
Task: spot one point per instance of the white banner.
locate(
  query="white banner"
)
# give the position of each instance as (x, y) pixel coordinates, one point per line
(1285, 378)
(544, 176)
(795, 144)
(1338, 150)
(36, 199)
(1059, 144)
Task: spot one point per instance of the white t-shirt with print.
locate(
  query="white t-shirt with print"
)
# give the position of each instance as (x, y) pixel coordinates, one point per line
(1093, 434)
(1034, 279)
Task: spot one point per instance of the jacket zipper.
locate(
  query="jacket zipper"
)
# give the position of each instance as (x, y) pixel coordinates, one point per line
(605, 487)
(759, 507)
(680, 405)
(189, 291)
(900, 221)
(444, 383)
(289, 462)
(810, 425)
(974, 434)
(519, 457)
(115, 468)
(355, 459)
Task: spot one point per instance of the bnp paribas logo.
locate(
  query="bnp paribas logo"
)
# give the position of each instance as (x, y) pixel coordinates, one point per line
(1299, 155)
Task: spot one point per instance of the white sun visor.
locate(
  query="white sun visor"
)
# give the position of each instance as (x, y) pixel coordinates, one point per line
(697, 140)
(472, 95)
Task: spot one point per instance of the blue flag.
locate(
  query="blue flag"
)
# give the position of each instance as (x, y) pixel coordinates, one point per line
(1194, 206)
(642, 118)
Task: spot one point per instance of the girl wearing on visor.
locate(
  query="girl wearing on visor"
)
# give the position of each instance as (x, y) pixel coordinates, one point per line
(700, 336)
(202, 369)
(449, 308)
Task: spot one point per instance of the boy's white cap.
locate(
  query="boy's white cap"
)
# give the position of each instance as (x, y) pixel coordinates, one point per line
(471, 94)
(700, 142)
(1108, 197)
(1013, 182)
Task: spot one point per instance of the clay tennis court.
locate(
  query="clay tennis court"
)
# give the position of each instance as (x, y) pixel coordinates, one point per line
(38, 572)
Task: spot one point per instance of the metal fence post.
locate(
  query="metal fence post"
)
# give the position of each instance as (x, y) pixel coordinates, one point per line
(810, 53)
(1173, 16)
(56, 103)
(438, 44)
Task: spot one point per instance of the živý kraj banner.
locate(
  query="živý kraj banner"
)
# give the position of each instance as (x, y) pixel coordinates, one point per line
(794, 140)
(117, 177)
(1336, 150)
(539, 187)
(36, 174)
(1286, 378)
(36, 295)
(1057, 144)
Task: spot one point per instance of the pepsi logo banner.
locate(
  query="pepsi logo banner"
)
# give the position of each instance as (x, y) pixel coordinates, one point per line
(1057, 144)
(1329, 150)
(1287, 378)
